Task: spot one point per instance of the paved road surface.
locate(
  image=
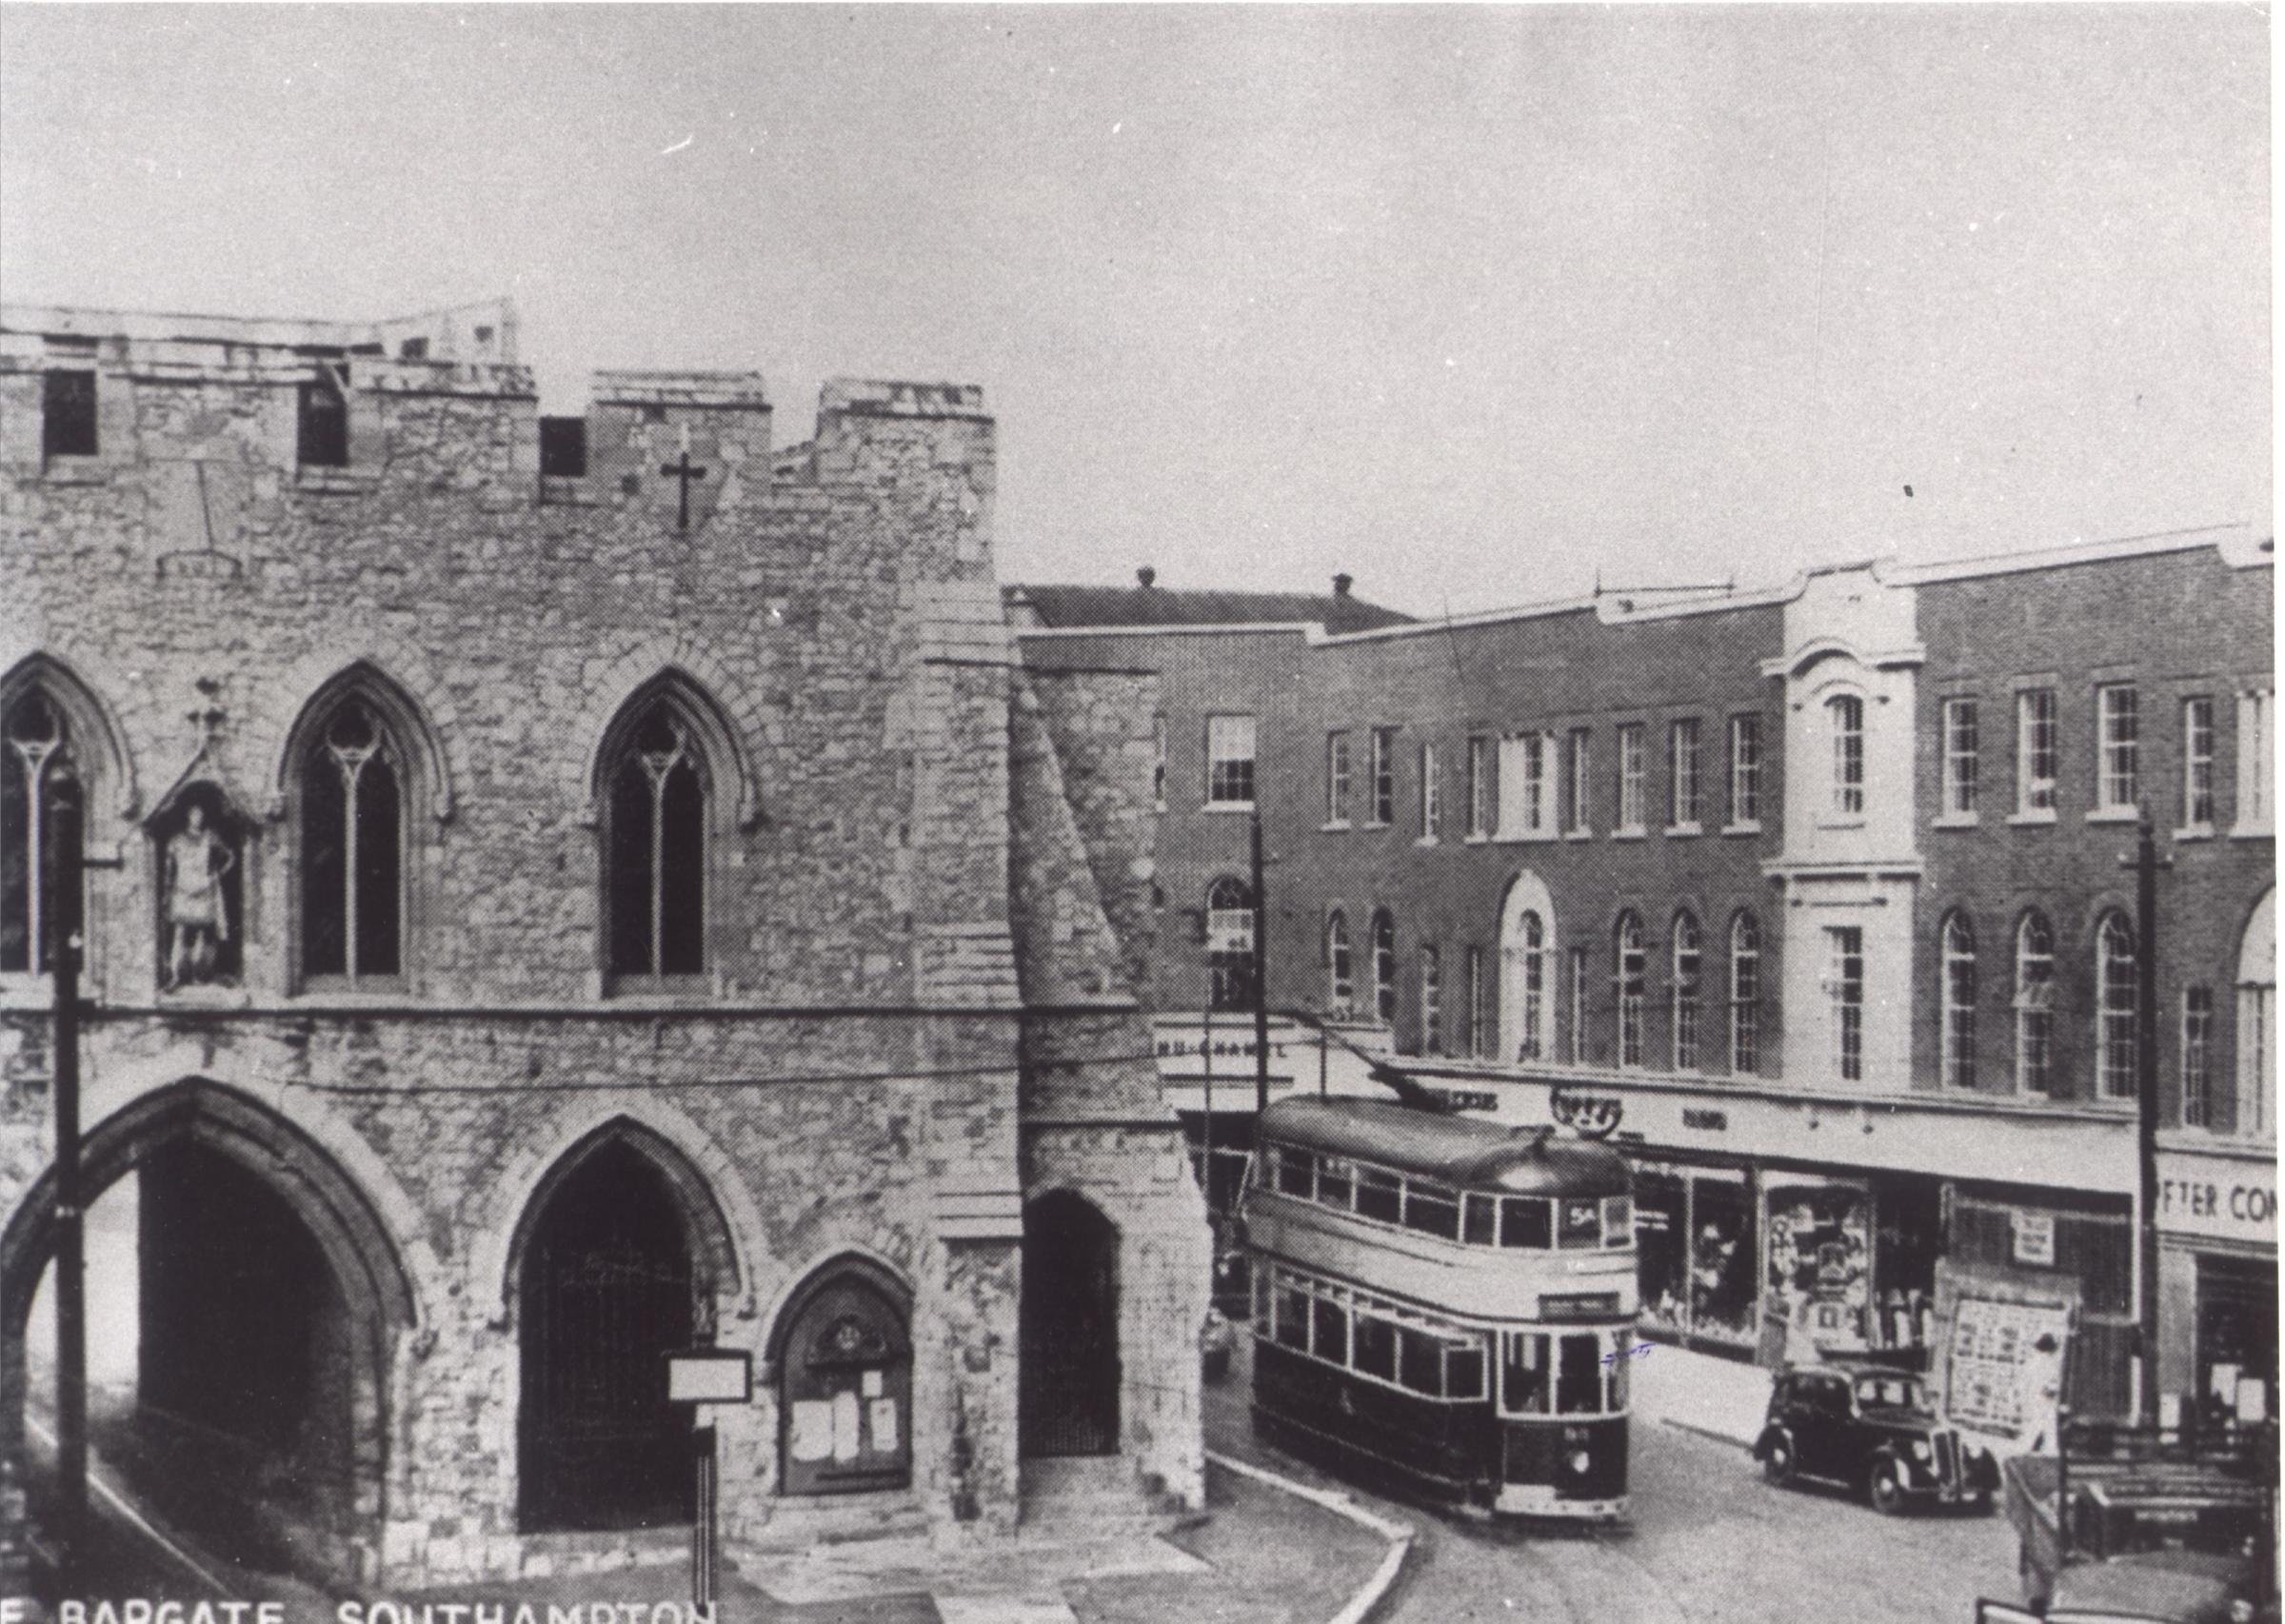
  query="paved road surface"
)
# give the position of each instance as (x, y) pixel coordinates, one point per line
(1711, 1544)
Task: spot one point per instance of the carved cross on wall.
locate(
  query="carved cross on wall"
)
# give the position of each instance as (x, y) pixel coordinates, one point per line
(681, 470)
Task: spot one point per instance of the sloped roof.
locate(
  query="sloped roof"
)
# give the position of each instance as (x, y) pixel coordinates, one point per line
(1071, 606)
(1460, 1150)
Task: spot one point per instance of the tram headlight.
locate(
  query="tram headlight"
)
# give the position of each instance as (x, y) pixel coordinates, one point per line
(1579, 1462)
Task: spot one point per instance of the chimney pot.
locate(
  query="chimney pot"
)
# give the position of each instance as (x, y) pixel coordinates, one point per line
(1341, 584)
(1146, 576)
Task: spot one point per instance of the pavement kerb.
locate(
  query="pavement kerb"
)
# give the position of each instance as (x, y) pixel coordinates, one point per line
(1398, 1534)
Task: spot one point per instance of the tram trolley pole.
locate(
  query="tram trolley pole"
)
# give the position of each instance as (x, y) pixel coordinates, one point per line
(697, 1378)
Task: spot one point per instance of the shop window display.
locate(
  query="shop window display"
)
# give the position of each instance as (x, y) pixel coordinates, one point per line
(1821, 1264)
(1695, 1252)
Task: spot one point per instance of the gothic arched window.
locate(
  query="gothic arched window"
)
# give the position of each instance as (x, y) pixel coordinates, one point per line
(2035, 1005)
(1341, 973)
(1957, 1042)
(1229, 945)
(35, 761)
(1745, 995)
(1687, 959)
(1630, 971)
(655, 847)
(352, 846)
(2115, 1036)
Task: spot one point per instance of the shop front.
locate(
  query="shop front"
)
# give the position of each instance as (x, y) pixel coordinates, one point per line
(2217, 1283)
(1698, 1248)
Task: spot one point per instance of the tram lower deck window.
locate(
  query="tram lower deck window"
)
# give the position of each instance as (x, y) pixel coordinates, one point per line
(1463, 1372)
(1329, 1330)
(1524, 1372)
(1293, 1318)
(1375, 1347)
(1420, 1363)
(1523, 1222)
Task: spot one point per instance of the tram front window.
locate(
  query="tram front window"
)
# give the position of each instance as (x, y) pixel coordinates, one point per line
(1524, 1372)
(1578, 1376)
(1523, 1222)
(1582, 1224)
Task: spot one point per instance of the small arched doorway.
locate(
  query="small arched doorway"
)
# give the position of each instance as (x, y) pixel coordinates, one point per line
(843, 1353)
(1068, 1386)
(606, 1293)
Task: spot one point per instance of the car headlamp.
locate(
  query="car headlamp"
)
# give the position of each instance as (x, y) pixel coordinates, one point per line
(1919, 1449)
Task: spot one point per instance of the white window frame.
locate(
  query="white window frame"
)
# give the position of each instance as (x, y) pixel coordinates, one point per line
(2199, 787)
(1432, 796)
(1844, 1000)
(1478, 787)
(1382, 782)
(1339, 768)
(1684, 792)
(1960, 743)
(2256, 762)
(2119, 750)
(2038, 746)
(1340, 964)
(1431, 999)
(1844, 723)
(1582, 969)
(1745, 771)
(1232, 738)
(1685, 994)
(1630, 987)
(1634, 773)
(1745, 995)
(2197, 1056)
(1581, 752)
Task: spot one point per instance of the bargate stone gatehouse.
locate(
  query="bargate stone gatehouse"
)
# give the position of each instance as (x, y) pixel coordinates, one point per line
(584, 885)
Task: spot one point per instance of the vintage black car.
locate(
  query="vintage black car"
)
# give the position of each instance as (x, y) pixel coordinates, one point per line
(1874, 1430)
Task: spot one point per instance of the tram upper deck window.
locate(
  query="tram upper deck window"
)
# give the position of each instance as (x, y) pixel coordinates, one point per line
(1617, 1221)
(1523, 1222)
(1581, 1225)
(1432, 1210)
(1296, 1171)
(1479, 1220)
(1336, 1179)
(1579, 1374)
(1379, 1195)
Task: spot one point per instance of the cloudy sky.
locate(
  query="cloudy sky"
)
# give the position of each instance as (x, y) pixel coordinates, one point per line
(1471, 302)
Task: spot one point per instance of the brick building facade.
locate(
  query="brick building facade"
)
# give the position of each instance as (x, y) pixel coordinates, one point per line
(562, 908)
(1818, 889)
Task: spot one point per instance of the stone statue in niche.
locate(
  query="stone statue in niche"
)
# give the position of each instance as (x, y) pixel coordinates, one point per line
(200, 849)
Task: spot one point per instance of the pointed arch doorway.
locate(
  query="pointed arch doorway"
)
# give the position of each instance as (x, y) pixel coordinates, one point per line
(1068, 1387)
(604, 1294)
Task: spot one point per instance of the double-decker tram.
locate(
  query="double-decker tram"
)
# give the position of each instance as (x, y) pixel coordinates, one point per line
(1445, 1300)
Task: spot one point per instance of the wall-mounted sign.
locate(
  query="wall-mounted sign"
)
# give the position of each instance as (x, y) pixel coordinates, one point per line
(2217, 1198)
(1467, 1099)
(710, 1375)
(1705, 1121)
(1591, 1116)
(2034, 1237)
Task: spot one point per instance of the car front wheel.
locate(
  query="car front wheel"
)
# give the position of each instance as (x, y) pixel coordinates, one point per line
(1777, 1466)
(1888, 1488)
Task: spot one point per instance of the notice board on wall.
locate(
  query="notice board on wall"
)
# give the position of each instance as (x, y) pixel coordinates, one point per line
(2005, 1342)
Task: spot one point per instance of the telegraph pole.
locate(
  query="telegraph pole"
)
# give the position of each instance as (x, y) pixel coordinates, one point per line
(1260, 980)
(63, 830)
(2146, 863)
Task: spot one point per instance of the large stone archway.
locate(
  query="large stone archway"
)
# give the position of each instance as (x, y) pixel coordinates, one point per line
(240, 1191)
